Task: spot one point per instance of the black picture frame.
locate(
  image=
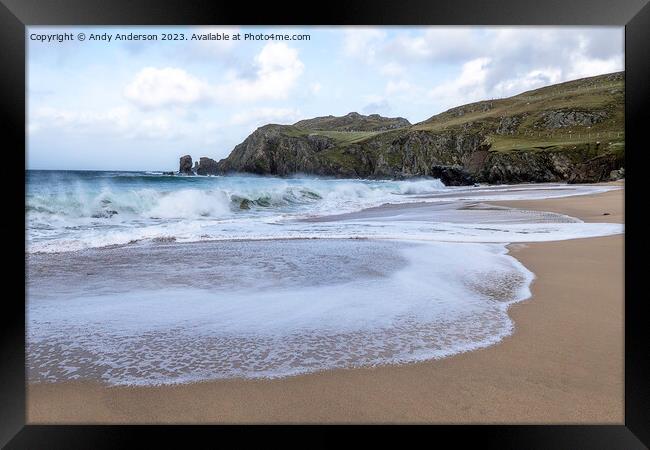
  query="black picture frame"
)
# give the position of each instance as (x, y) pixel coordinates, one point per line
(15, 15)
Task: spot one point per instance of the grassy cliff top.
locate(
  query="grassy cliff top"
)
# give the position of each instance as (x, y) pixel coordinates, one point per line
(353, 122)
(575, 111)
(557, 116)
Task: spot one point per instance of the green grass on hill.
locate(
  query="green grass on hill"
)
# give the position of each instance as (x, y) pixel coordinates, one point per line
(352, 122)
(529, 112)
(600, 94)
(342, 138)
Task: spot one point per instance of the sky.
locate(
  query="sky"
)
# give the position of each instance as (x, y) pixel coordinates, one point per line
(140, 105)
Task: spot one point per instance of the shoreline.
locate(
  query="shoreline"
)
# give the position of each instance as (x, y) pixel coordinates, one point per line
(563, 364)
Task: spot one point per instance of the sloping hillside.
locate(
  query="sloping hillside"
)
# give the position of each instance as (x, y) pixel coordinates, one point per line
(571, 131)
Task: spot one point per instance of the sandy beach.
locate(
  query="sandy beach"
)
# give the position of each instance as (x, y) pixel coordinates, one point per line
(563, 364)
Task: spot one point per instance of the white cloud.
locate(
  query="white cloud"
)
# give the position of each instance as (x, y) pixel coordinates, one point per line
(363, 43)
(277, 68)
(520, 58)
(392, 54)
(584, 66)
(154, 87)
(468, 87)
(470, 64)
(449, 43)
(531, 80)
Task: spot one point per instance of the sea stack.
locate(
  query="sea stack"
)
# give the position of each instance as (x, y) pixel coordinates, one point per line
(207, 166)
(185, 166)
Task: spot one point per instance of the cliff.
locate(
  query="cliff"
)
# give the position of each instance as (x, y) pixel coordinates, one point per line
(572, 131)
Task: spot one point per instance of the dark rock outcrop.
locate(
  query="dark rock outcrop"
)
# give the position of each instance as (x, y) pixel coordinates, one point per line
(185, 166)
(525, 167)
(452, 175)
(509, 124)
(207, 166)
(104, 214)
(570, 118)
(596, 169)
(618, 174)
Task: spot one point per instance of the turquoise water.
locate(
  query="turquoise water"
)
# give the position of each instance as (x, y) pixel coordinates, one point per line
(73, 210)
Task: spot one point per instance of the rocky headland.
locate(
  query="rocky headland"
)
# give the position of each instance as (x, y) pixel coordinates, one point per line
(571, 132)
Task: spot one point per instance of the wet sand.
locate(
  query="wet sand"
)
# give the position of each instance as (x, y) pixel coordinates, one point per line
(563, 364)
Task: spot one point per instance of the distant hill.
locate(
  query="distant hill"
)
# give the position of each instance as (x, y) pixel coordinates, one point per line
(353, 122)
(572, 131)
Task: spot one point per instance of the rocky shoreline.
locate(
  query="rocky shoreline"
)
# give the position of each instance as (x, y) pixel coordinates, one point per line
(571, 132)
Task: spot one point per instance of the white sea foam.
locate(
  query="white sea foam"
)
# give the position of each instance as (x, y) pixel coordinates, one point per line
(439, 231)
(190, 204)
(445, 299)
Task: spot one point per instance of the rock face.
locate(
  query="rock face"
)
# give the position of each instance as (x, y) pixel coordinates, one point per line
(274, 150)
(509, 124)
(618, 174)
(207, 166)
(185, 166)
(452, 175)
(531, 137)
(270, 150)
(599, 168)
(571, 118)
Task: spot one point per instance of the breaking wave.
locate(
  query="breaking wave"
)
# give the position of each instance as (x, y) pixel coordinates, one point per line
(155, 197)
(70, 211)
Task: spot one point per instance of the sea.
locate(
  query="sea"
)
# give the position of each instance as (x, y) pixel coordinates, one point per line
(140, 278)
